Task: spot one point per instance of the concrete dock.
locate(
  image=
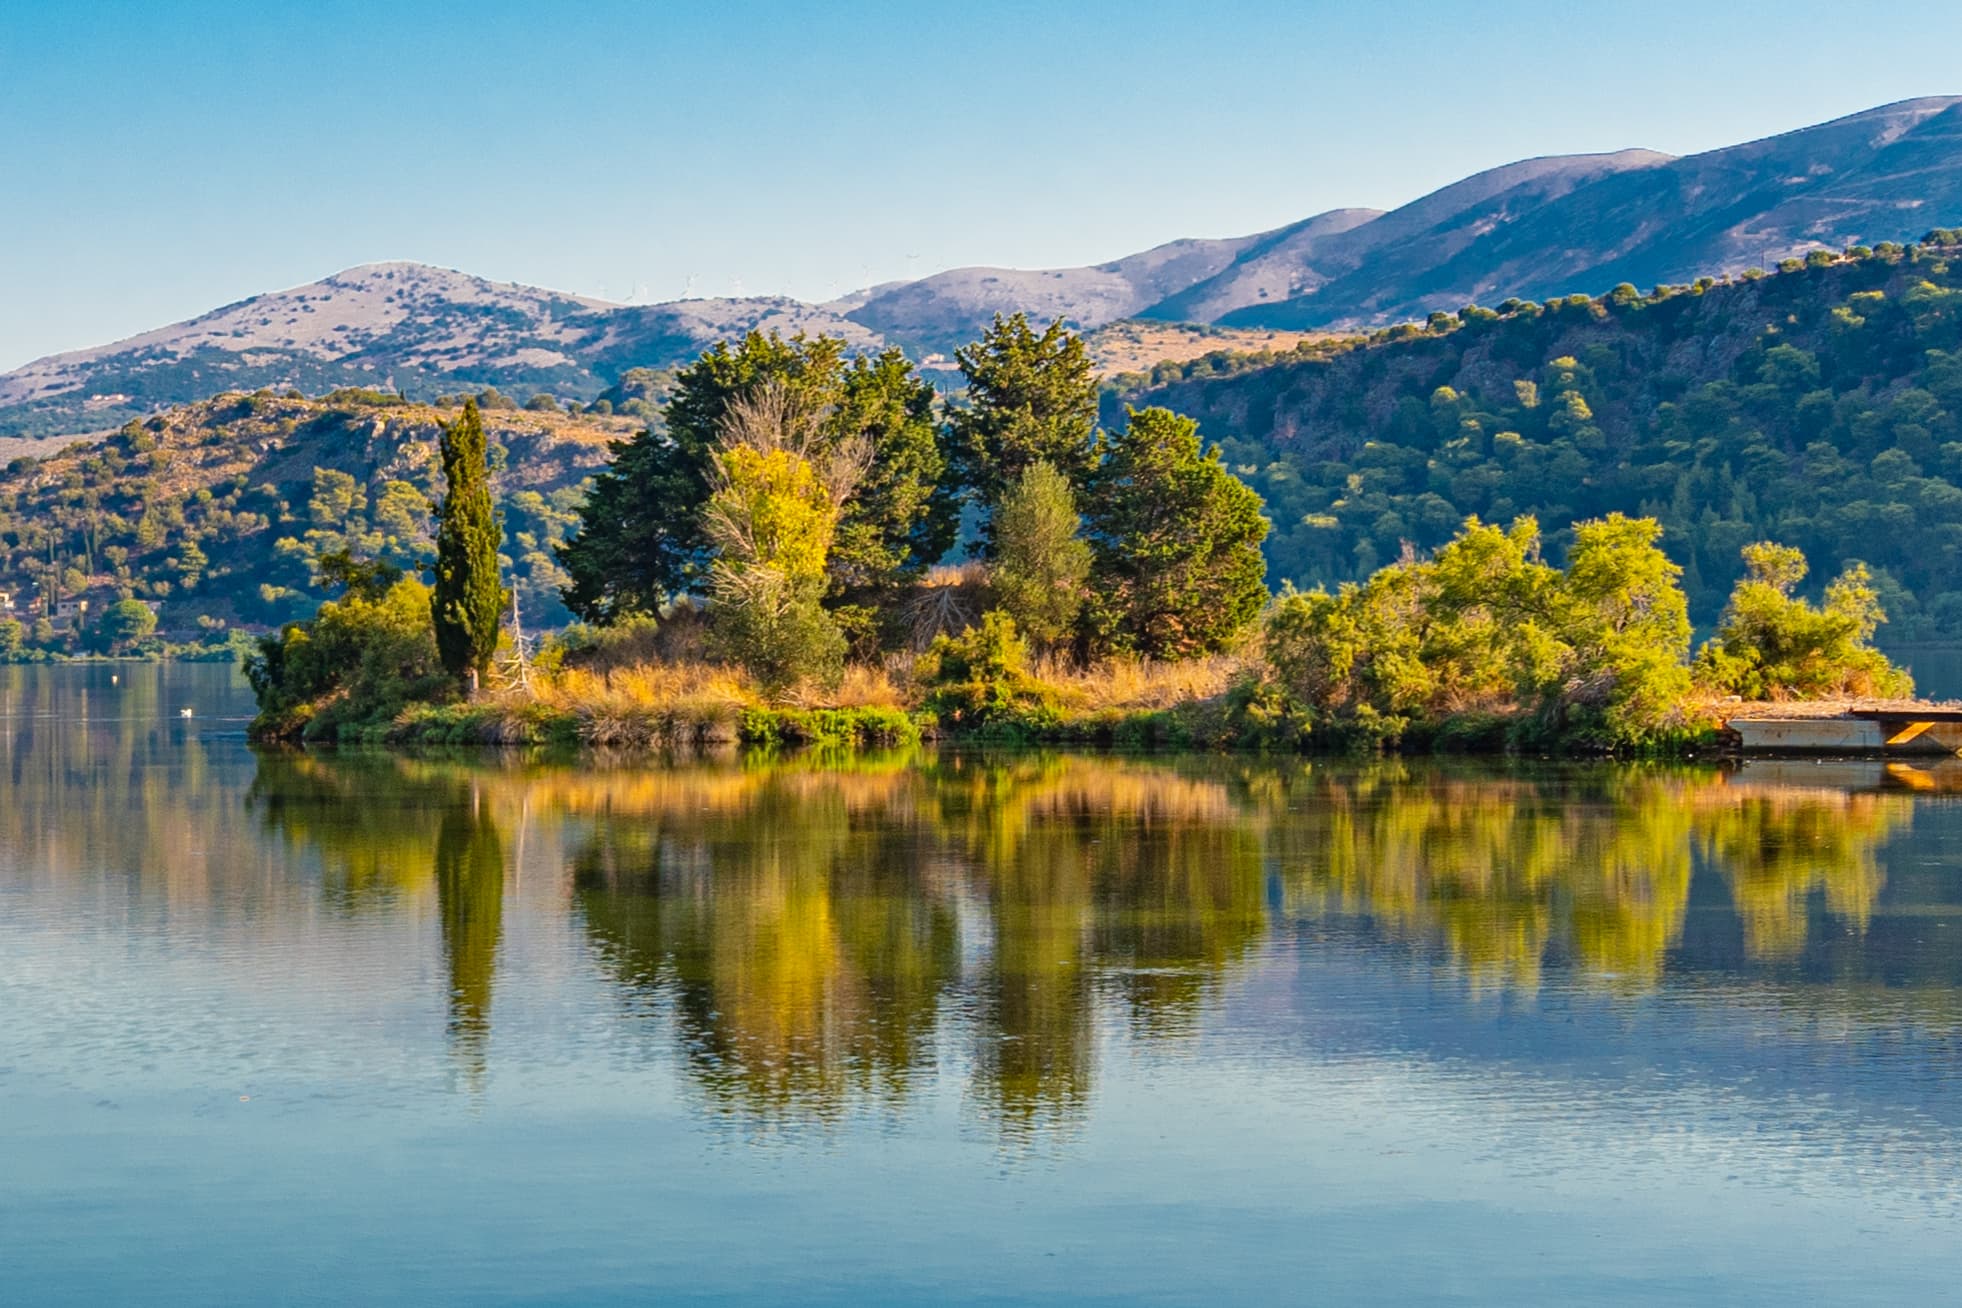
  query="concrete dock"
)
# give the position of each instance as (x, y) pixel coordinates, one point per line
(1883, 729)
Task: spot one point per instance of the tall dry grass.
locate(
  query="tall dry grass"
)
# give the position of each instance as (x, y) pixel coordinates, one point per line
(1131, 683)
(649, 703)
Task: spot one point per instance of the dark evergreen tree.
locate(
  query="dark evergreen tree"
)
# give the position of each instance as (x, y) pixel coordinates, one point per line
(1031, 397)
(902, 518)
(641, 539)
(469, 599)
(1176, 537)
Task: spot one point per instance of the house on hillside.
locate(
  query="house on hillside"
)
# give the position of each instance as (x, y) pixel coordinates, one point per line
(71, 611)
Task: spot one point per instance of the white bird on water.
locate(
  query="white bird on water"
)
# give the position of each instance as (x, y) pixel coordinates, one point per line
(183, 713)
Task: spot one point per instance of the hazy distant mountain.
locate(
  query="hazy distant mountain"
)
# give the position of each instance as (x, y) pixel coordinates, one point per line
(392, 326)
(1532, 229)
(937, 313)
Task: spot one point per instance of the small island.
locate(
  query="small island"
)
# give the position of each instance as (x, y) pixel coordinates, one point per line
(812, 548)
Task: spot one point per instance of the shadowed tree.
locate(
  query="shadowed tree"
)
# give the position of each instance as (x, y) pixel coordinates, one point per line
(469, 600)
(1177, 538)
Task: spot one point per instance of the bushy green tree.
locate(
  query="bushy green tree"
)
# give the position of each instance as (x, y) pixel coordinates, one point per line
(1773, 645)
(340, 571)
(1624, 623)
(1041, 562)
(358, 663)
(124, 625)
(1031, 396)
(1176, 542)
(469, 599)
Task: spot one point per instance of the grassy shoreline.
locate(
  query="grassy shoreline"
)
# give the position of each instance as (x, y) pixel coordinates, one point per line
(1234, 722)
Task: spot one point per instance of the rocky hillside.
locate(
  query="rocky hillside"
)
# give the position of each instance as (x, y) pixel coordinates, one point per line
(220, 510)
(1585, 225)
(1534, 228)
(401, 327)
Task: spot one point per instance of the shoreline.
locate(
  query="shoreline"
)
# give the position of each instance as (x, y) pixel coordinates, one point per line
(1217, 724)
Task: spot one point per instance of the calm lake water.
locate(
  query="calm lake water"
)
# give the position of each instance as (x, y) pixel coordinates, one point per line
(1043, 1028)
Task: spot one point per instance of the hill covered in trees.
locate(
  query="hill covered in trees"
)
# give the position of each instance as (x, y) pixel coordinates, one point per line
(221, 512)
(1820, 406)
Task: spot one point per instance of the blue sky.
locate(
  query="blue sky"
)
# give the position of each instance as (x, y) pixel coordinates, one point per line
(164, 157)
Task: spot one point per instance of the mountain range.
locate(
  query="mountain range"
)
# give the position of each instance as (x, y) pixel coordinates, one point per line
(1574, 223)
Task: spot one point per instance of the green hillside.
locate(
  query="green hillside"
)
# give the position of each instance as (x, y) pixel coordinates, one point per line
(1817, 406)
(219, 512)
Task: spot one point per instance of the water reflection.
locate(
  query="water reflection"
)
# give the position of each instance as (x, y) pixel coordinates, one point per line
(815, 937)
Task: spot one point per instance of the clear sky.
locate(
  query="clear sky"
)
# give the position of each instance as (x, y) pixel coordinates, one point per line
(161, 157)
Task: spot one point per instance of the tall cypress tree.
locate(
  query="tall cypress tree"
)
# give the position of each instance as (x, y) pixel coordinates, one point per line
(469, 600)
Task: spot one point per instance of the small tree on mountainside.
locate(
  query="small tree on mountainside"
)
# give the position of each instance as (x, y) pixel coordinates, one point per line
(1175, 538)
(468, 601)
(368, 578)
(126, 624)
(1041, 563)
(1030, 397)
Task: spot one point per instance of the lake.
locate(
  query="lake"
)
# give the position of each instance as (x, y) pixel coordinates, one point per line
(959, 1028)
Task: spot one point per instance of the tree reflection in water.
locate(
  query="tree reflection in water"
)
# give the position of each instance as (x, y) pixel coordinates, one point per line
(821, 935)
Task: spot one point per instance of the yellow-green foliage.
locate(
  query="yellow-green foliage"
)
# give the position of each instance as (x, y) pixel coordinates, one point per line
(1485, 627)
(360, 662)
(981, 674)
(1773, 645)
(771, 510)
(775, 505)
(1041, 562)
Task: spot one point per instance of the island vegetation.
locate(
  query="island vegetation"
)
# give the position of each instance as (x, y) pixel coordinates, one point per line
(769, 564)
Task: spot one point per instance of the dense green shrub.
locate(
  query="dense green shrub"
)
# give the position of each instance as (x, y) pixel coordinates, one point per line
(981, 674)
(358, 663)
(1485, 633)
(1772, 645)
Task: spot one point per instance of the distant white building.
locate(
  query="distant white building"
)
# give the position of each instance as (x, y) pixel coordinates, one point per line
(71, 610)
